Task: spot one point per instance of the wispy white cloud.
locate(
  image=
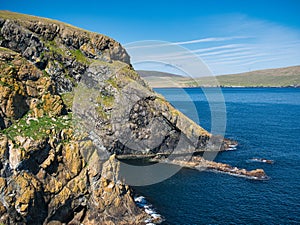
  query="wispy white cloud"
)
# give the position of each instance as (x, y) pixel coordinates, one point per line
(239, 44)
(211, 39)
(192, 54)
(217, 48)
(239, 61)
(202, 40)
(262, 60)
(223, 52)
(211, 54)
(237, 58)
(176, 55)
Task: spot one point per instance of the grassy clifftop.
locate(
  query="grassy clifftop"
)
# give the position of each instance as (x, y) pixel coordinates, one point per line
(24, 18)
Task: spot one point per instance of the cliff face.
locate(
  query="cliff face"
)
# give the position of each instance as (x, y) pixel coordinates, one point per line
(44, 177)
(69, 99)
(126, 117)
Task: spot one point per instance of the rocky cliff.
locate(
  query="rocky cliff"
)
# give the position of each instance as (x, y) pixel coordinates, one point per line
(70, 102)
(84, 65)
(44, 177)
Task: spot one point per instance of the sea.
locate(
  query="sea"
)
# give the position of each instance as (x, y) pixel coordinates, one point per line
(266, 124)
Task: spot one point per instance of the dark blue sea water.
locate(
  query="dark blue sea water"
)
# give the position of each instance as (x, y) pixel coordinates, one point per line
(266, 123)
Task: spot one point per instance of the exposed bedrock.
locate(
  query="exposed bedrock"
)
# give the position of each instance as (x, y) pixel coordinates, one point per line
(71, 103)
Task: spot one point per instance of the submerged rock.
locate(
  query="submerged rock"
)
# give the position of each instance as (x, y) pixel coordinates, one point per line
(199, 163)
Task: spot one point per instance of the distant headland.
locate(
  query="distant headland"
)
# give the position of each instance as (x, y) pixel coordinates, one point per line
(279, 77)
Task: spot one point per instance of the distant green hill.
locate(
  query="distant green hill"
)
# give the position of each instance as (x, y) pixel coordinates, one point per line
(280, 77)
(162, 79)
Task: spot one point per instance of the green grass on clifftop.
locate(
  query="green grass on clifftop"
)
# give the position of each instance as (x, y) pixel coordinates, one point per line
(22, 18)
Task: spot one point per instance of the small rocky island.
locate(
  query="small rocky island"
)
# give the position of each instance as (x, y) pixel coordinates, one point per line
(70, 103)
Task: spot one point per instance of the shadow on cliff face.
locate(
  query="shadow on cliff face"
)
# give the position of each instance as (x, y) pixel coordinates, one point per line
(123, 116)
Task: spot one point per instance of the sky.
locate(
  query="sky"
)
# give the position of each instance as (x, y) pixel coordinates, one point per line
(229, 36)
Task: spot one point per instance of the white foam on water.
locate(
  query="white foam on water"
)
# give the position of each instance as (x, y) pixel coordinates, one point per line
(156, 216)
(232, 146)
(150, 211)
(142, 203)
(240, 175)
(261, 160)
(140, 199)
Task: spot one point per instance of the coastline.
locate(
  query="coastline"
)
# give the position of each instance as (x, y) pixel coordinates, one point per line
(264, 78)
(199, 163)
(74, 108)
(241, 87)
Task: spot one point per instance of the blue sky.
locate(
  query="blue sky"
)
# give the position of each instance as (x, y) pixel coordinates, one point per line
(230, 36)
